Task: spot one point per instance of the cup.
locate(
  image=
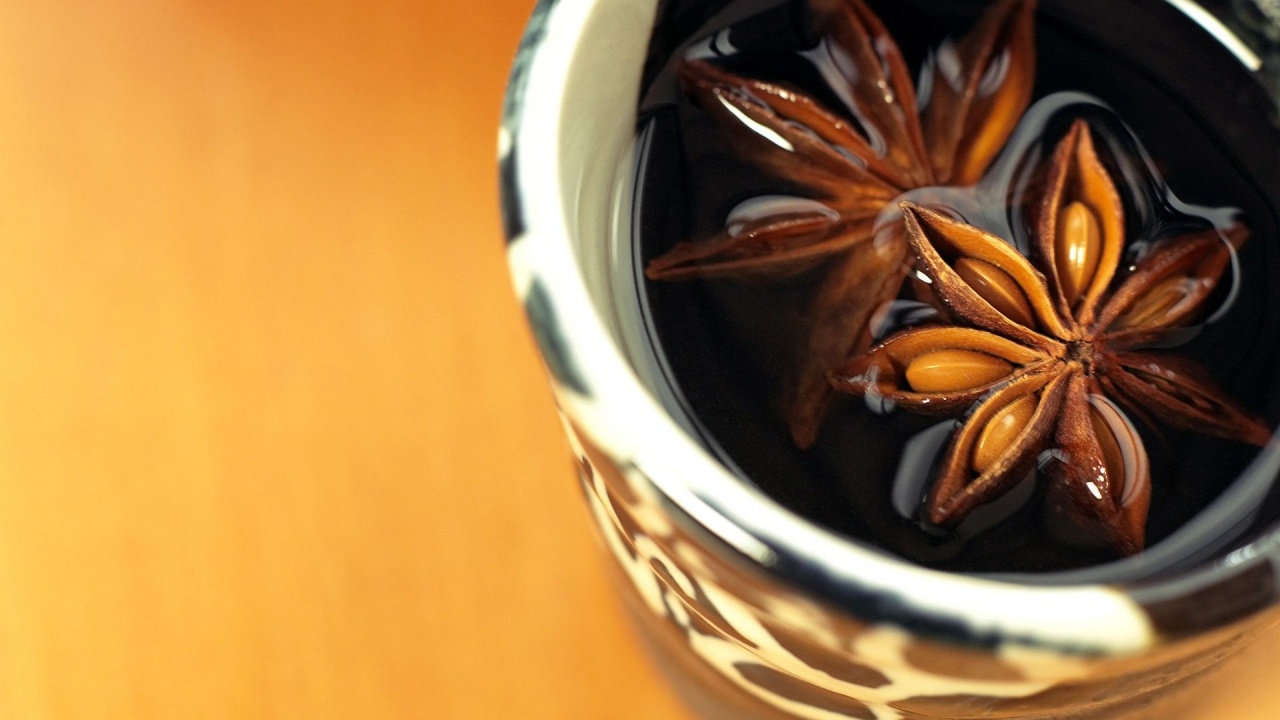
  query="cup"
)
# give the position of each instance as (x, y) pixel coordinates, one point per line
(753, 612)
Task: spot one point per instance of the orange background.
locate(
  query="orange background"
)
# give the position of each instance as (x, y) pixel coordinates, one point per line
(273, 439)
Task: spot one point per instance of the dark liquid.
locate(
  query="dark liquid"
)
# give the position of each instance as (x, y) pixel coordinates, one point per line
(1209, 132)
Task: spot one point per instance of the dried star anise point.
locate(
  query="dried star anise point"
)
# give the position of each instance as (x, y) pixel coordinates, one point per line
(1081, 228)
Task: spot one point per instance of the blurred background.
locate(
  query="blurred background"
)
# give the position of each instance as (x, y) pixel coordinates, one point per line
(274, 442)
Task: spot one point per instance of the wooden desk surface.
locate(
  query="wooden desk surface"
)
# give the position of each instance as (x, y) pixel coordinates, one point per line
(274, 440)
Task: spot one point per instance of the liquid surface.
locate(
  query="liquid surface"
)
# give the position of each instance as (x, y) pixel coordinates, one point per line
(1184, 154)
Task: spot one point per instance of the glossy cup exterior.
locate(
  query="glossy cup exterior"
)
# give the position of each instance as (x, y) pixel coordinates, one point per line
(751, 612)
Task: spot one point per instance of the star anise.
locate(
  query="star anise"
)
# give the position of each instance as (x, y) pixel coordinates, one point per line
(976, 90)
(1045, 356)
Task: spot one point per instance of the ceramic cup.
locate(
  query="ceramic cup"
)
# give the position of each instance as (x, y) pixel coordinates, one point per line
(753, 612)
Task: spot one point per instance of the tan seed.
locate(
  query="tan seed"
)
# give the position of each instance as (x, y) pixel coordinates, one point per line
(1001, 431)
(1112, 458)
(952, 370)
(996, 287)
(1076, 249)
(1154, 304)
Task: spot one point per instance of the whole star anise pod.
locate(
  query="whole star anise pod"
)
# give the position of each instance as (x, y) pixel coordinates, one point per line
(1045, 356)
(976, 90)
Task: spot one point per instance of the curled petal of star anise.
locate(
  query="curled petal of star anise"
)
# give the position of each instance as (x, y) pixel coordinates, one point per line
(1182, 395)
(997, 445)
(772, 247)
(883, 98)
(1081, 228)
(1103, 479)
(983, 280)
(978, 88)
(1170, 285)
(937, 370)
(790, 136)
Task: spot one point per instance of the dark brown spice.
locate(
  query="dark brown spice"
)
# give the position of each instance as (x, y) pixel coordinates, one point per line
(951, 142)
(1046, 355)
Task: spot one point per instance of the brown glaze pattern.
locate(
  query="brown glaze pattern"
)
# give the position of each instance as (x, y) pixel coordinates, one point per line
(739, 645)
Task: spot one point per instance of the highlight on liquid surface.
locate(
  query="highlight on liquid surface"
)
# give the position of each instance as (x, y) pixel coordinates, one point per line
(1000, 303)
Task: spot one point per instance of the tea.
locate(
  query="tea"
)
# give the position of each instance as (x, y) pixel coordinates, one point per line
(1189, 156)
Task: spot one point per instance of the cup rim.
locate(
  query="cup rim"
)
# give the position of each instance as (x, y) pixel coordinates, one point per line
(596, 387)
